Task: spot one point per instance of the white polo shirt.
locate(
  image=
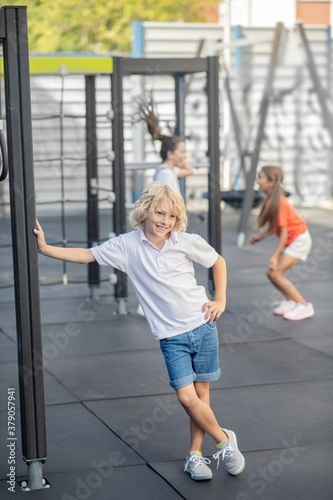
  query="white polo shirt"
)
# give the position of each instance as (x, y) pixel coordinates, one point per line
(163, 279)
(167, 175)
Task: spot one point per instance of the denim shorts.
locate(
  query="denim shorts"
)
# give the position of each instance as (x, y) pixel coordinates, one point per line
(192, 356)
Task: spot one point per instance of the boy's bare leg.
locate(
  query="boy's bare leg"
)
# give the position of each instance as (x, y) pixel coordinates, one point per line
(285, 286)
(197, 434)
(200, 413)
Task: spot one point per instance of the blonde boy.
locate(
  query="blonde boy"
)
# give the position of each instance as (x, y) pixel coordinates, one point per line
(158, 257)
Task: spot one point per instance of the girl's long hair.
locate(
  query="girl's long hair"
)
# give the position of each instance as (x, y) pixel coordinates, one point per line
(148, 115)
(270, 209)
(151, 197)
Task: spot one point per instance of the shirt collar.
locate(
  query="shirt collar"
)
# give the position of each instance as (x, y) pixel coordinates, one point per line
(142, 235)
(172, 240)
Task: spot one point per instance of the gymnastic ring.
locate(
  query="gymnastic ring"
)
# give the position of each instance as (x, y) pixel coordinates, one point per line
(4, 158)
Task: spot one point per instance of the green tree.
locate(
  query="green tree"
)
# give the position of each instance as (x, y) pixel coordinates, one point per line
(98, 25)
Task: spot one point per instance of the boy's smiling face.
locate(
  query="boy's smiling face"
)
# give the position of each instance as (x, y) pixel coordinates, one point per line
(159, 223)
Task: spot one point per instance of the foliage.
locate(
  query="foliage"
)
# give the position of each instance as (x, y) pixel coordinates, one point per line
(98, 25)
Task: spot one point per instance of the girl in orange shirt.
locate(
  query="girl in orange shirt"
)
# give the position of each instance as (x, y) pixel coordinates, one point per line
(294, 242)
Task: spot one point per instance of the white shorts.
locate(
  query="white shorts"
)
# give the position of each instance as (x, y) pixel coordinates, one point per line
(300, 247)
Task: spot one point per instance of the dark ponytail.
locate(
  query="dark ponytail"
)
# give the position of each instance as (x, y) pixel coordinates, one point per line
(169, 143)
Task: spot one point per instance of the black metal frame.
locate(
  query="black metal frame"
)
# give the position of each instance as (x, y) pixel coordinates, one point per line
(13, 34)
(180, 95)
(92, 173)
(118, 167)
(213, 153)
(178, 68)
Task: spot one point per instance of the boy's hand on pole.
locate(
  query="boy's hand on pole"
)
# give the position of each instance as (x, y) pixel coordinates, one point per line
(78, 255)
(213, 309)
(41, 243)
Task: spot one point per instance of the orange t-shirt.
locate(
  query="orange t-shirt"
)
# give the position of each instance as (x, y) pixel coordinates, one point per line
(290, 218)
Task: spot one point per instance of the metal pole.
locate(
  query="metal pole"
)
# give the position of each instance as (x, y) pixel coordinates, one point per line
(248, 199)
(214, 194)
(92, 173)
(23, 217)
(235, 122)
(180, 90)
(226, 63)
(322, 96)
(118, 173)
(35, 480)
(62, 173)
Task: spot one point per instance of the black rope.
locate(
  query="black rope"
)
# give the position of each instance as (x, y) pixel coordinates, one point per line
(69, 158)
(52, 117)
(54, 202)
(62, 242)
(53, 283)
(62, 201)
(66, 200)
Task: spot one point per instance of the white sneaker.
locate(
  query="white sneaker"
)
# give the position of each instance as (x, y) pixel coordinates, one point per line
(300, 312)
(229, 452)
(284, 307)
(196, 465)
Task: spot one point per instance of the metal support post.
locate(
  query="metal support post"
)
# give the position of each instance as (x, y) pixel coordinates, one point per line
(214, 195)
(14, 30)
(248, 199)
(92, 173)
(35, 480)
(180, 95)
(235, 122)
(322, 95)
(119, 211)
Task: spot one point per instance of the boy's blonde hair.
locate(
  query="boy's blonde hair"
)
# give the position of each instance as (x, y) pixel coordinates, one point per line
(151, 198)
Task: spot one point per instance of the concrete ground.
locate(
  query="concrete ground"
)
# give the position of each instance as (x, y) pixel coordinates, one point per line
(114, 427)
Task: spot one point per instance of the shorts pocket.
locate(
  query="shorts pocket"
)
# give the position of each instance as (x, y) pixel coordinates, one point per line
(211, 327)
